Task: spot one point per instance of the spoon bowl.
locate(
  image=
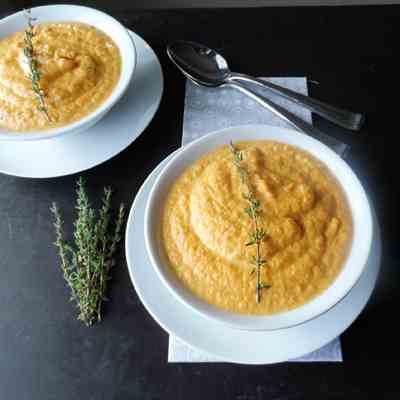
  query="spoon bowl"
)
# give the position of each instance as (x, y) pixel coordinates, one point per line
(199, 63)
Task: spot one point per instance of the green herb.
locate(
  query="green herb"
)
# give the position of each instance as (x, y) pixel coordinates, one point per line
(253, 211)
(87, 261)
(34, 73)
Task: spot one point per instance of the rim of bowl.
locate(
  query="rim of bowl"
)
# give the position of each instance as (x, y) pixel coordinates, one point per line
(338, 289)
(128, 67)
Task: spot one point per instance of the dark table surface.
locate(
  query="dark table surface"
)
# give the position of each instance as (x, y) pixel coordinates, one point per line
(46, 354)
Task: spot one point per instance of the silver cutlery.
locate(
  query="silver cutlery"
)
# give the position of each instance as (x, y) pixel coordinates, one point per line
(206, 67)
(295, 121)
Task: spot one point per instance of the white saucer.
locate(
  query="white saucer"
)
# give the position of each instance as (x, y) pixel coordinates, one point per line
(224, 342)
(118, 129)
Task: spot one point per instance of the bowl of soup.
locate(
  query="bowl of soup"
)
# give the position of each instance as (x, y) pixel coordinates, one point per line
(263, 234)
(85, 60)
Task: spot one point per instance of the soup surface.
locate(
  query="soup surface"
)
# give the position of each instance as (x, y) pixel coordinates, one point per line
(303, 210)
(80, 67)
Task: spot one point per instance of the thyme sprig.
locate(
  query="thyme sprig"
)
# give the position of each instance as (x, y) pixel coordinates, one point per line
(253, 210)
(87, 261)
(34, 73)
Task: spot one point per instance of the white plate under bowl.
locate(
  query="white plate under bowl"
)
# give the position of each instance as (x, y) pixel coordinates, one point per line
(358, 203)
(222, 341)
(102, 21)
(71, 154)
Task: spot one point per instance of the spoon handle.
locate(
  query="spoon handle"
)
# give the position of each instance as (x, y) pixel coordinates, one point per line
(294, 120)
(346, 119)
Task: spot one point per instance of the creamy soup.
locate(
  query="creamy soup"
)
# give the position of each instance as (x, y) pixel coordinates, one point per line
(303, 210)
(80, 67)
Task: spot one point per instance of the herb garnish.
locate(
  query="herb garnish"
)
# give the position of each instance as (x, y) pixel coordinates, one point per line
(86, 263)
(34, 73)
(253, 211)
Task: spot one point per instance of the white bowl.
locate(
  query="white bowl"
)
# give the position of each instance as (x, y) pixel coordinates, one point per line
(358, 202)
(98, 19)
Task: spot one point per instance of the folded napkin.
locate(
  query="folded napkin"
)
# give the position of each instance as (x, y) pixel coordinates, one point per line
(209, 109)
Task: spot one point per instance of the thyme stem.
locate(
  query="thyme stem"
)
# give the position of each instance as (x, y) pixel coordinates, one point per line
(34, 73)
(255, 224)
(253, 210)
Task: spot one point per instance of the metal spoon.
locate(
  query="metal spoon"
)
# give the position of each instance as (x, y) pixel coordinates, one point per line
(207, 67)
(295, 121)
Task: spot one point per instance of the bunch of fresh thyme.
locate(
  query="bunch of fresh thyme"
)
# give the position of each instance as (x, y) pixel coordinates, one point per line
(86, 262)
(34, 73)
(253, 211)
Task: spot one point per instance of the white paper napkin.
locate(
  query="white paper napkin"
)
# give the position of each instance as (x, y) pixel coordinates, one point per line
(209, 109)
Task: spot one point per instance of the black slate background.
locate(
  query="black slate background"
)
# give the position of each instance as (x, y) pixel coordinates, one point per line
(46, 354)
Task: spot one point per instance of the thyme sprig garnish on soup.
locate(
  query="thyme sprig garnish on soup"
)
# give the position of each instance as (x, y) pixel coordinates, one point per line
(34, 73)
(87, 261)
(253, 210)
(55, 73)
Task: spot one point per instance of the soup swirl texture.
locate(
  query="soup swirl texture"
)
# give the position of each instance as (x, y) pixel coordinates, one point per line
(304, 212)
